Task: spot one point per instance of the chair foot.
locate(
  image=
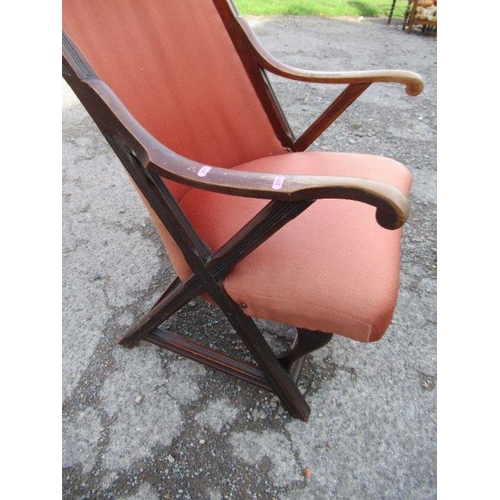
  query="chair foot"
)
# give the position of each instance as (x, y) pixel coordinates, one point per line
(305, 342)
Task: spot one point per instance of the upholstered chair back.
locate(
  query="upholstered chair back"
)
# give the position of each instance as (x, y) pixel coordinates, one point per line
(174, 66)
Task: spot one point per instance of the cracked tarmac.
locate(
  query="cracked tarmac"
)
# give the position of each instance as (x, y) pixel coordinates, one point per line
(146, 424)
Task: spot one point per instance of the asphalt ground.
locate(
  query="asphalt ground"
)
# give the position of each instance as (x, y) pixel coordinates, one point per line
(147, 424)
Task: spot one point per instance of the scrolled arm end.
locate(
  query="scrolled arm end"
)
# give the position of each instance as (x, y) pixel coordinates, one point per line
(415, 86)
(390, 219)
(392, 205)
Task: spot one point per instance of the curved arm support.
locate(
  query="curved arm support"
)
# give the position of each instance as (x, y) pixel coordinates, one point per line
(392, 204)
(413, 81)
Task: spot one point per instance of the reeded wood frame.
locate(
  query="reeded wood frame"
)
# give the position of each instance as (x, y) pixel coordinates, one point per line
(147, 161)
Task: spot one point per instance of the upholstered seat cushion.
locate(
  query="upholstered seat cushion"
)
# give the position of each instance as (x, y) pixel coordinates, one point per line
(333, 268)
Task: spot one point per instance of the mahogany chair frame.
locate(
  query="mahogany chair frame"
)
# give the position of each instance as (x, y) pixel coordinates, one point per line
(147, 162)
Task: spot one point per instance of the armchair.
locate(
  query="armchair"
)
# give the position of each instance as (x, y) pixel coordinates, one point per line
(251, 221)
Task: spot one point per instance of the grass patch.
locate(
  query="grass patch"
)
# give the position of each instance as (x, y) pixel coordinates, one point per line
(329, 8)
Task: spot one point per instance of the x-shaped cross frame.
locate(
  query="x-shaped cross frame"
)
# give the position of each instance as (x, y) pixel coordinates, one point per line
(279, 375)
(145, 160)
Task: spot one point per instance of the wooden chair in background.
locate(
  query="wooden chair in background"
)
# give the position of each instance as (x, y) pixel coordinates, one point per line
(421, 13)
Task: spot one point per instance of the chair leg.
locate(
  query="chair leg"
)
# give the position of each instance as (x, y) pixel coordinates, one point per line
(279, 379)
(175, 283)
(407, 14)
(305, 342)
(281, 374)
(391, 12)
(173, 299)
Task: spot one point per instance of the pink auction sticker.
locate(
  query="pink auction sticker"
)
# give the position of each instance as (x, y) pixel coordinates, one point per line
(204, 171)
(278, 181)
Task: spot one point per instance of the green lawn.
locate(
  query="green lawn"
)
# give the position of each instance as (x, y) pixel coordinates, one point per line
(333, 8)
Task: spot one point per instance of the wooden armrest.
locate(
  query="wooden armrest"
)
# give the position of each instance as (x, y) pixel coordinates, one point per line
(392, 204)
(413, 82)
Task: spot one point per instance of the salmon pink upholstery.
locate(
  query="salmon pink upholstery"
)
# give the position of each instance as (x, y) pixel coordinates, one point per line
(333, 268)
(193, 97)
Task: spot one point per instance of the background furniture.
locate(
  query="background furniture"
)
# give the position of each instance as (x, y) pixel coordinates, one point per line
(422, 13)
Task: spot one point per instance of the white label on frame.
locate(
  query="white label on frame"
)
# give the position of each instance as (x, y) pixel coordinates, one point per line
(278, 182)
(204, 171)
